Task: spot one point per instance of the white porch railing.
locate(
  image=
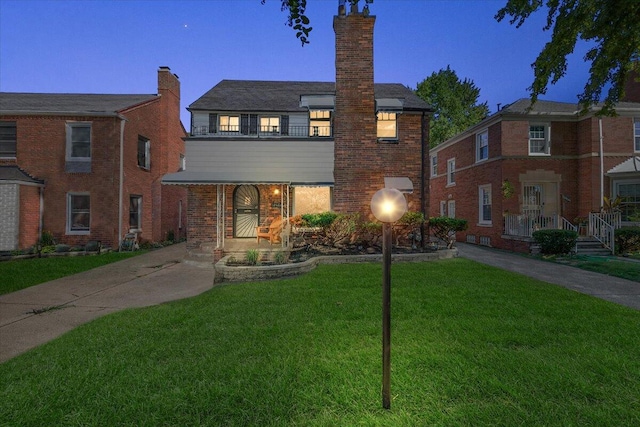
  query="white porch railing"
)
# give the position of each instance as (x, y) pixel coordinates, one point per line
(602, 226)
(524, 225)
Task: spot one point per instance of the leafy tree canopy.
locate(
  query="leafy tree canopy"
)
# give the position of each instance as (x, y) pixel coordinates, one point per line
(613, 27)
(455, 104)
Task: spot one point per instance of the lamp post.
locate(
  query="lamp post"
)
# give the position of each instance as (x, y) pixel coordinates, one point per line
(388, 205)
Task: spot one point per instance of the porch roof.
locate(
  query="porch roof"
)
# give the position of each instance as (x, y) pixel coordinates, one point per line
(631, 166)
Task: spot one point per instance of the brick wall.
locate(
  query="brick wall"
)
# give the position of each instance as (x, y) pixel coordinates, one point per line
(201, 215)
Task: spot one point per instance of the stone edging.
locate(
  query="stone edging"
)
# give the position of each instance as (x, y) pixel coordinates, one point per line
(224, 273)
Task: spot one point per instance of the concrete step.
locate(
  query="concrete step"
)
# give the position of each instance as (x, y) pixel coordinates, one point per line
(591, 246)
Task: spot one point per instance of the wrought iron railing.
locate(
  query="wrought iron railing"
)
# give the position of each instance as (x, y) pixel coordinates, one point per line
(266, 131)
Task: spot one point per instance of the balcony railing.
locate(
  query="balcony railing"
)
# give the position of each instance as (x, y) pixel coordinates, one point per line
(523, 225)
(266, 131)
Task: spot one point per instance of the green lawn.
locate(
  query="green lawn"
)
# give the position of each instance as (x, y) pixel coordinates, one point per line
(22, 273)
(472, 345)
(611, 266)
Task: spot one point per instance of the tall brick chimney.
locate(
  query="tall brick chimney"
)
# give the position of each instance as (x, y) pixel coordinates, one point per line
(355, 158)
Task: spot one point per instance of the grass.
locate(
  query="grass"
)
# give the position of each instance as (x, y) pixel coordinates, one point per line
(604, 265)
(22, 273)
(472, 345)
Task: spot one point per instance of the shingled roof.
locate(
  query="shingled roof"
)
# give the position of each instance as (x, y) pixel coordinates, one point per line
(253, 95)
(14, 173)
(68, 103)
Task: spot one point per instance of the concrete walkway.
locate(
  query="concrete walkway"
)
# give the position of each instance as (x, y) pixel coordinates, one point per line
(38, 314)
(621, 291)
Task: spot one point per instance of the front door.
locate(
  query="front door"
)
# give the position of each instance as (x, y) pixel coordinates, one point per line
(246, 211)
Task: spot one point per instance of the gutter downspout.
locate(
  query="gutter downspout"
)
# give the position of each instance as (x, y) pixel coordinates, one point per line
(121, 181)
(601, 162)
(423, 184)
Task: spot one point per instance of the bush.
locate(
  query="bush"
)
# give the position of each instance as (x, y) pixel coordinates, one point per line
(322, 220)
(62, 248)
(47, 239)
(171, 236)
(342, 229)
(555, 242)
(252, 256)
(627, 239)
(445, 228)
(407, 228)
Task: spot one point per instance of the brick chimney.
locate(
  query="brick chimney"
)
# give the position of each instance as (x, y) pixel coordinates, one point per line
(632, 87)
(355, 158)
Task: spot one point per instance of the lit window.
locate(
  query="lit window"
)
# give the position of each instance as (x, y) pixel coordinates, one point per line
(482, 146)
(229, 124)
(144, 155)
(78, 213)
(270, 125)
(135, 212)
(484, 196)
(451, 171)
(539, 142)
(387, 125)
(320, 123)
(434, 165)
(79, 141)
(8, 139)
(636, 134)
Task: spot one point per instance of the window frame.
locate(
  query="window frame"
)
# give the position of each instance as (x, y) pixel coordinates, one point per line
(480, 146)
(482, 191)
(547, 139)
(10, 139)
(70, 229)
(615, 185)
(636, 135)
(228, 128)
(147, 153)
(323, 123)
(380, 118)
(451, 171)
(451, 208)
(434, 165)
(138, 214)
(269, 129)
(70, 126)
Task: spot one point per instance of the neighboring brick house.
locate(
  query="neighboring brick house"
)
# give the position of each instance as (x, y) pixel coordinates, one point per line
(88, 167)
(262, 149)
(520, 170)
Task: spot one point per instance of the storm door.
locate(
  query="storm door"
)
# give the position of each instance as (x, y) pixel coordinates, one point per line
(246, 211)
(533, 205)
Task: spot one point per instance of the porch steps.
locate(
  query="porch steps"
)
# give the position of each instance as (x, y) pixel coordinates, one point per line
(590, 246)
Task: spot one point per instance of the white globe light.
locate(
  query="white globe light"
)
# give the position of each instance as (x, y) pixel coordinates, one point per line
(388, 205)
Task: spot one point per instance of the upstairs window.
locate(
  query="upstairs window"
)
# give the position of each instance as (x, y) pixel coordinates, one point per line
(8, 139)
(320, 123)
(229, 123)
(78, 213)
(78, 141)
(387, 125)
(482, 146)
(636, 134)
(484, 196)
(451, 171)
(539, 141)
(270, 125)
(183, 163)
(434, 165)
(144, 152)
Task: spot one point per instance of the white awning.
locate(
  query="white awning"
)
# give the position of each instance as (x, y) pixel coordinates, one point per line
(318, 102)
(630, 167)
(401, 183)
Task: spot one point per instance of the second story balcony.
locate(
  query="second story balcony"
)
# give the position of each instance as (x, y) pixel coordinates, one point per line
(264, 132)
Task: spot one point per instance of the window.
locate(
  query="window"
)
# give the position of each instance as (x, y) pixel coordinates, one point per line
(539, 142)
(270, 125)
(8, 138)
(135, 212)
(320, 123)
(484, 209)
(434, 165)
(482, 146)
(229, 123)
(451, 171)
(443, 208)
(78, 213)
(636, 134)
(183, 163)
(629, 191)
(387, 125)
(79, 141)
(451, 208)
(144, 155)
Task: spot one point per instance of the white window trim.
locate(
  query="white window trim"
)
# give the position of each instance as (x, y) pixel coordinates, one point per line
(547, 133)
(478, 135)
(69, 231)
(451, 172)
(443, 208)
(434, 166)
(68, 150)
(481, 191)
(615, 186)
(636, 136)
(147, 153)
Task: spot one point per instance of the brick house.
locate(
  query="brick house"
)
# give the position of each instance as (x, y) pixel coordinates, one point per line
(261, 149)
(523, 169)
(88, 167)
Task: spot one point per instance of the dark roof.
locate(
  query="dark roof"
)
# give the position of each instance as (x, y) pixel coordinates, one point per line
(252, 95)
(86, 104)
(540, 107)
(14, 173)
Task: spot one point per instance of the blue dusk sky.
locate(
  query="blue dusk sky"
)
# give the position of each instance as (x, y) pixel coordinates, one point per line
(94, 46)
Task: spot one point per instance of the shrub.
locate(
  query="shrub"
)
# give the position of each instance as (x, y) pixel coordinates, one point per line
(251, 256)
(62, 248)
(342, 228)
(369, 233)
(280, 257)
(555, 242)
(323, 220)
(171, 236)
(627, 239)
(445, 228)
(47, 239)
(408, 228)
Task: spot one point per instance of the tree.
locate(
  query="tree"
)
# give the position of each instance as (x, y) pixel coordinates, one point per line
(455, 104)
(612, 26)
